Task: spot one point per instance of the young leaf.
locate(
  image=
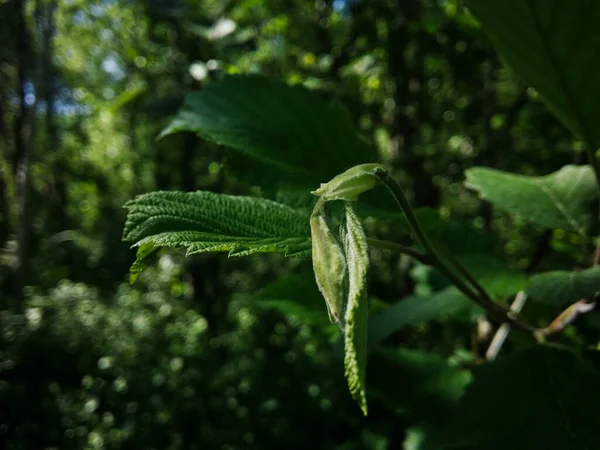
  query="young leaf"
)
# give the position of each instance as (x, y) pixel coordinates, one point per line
(565, 199)
(554, 46)
(357, 309)
(351, 183)
(562, 287)
(289, 130)
(539, 397)
(142, 259)
(205, 221)
(329, 264)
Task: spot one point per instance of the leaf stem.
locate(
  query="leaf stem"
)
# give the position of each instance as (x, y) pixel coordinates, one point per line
(500, 313)
(465, 273)
(502, 332)
(387, 245)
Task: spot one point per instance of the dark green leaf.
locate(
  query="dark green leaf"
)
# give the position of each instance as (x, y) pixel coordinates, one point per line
(565, 199)
(563, 287)
(300, 138)
(209, 222)
(420, 384)
(413, 310)
(538, 398)
(555, 47)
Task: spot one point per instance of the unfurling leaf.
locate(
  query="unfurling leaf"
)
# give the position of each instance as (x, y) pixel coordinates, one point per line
(357, 308)
(351, 183)
(209, 222)
(329, 263)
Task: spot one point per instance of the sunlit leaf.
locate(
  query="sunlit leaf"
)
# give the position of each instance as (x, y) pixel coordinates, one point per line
(351, 183)
(329, 264)
(357, 309)
(209, 222)
(296, 136)
(565, 199)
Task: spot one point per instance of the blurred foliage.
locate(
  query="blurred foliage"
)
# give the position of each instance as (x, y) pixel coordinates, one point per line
(212, 352)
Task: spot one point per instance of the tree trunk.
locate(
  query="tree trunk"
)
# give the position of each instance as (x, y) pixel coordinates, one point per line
(408, 79)
(23, 139)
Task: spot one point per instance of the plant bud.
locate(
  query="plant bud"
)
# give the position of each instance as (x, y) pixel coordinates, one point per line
(329, 264)
(350, 184)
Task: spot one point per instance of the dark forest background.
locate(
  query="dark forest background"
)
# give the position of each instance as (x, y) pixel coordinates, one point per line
(208, 352)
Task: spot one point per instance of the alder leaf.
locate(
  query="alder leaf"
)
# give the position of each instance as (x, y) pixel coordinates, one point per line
(555, 47)
(565, 199)
(562, 287)
(287, 131)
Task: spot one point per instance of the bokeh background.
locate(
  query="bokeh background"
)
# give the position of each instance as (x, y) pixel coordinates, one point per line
(211, 352)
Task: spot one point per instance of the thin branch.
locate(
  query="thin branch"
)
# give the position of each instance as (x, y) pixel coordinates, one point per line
(503, 330)
(465, 273)
(387, 245)
(497, 311)
(398, 194)
(567, 317)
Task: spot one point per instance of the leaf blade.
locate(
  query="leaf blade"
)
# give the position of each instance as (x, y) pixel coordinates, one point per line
(562, 287)
(286, 128)
(204, 221)
(565, 199)
(554, 46)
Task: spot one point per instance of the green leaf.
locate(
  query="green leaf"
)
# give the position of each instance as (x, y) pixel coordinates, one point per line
(414, 310)
(351, 183)
(288, 129)
(538, 398)
(565, 199)
(329, 264)
(357, 309)
(555, 47)
(142, 260)
(209, 222)
(563, 287)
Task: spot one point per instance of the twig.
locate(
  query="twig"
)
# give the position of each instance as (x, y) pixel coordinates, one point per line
(465, 273)
(387, 245)
(504, 329)
(567, 317)
(500, 313)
